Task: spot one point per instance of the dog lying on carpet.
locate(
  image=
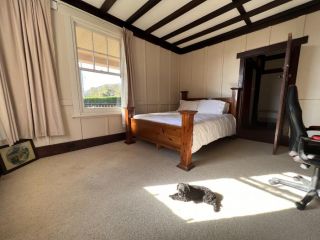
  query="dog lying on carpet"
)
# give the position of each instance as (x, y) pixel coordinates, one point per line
(197, 194)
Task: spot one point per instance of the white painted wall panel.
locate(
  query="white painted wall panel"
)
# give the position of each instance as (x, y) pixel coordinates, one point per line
(213, 74)
(174, 83)
(165, 76)
(279, 32)
(115, 124)
(308, 80)
(185, 72)
(258, 39)
(152, 108)
(310, 113)
(94, 127)
(198, 83)
(152, 72)
(231, 64)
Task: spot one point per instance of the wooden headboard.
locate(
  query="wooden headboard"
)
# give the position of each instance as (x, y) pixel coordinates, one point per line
(231, 100)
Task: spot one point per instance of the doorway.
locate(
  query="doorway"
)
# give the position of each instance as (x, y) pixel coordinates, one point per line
(261, 78)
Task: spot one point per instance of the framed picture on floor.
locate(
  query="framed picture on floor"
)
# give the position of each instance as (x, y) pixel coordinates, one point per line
(13, 157)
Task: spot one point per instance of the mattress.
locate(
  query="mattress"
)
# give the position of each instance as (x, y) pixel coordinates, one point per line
(207, 127)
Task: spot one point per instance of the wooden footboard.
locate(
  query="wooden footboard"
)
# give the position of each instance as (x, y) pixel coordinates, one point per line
(165, 135)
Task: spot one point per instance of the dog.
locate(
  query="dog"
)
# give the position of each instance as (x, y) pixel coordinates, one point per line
(197, 194)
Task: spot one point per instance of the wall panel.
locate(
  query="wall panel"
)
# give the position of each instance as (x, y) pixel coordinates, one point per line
(308, 80)
(185, 72)
(174, 83)
(164, 76)
(94, 127)
(258, 39)
(279, 32)
(152, 72)
(214, 66)
(231, 64)
(115, 124)
(198, 84)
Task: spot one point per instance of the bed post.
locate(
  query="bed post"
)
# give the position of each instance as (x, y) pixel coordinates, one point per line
(184, 95)
(234, 105)
(128, 114)
(187, 118)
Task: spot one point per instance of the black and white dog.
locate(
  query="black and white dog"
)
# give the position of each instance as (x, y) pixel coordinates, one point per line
(197, 194)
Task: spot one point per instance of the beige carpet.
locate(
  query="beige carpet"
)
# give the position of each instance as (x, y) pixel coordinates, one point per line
(116, 191)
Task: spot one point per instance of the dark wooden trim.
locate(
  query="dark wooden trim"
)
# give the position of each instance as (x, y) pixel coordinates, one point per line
(118, 22)
(209, 30)
(55, 149)
(275, 19)
(272, 48)
(205, 18)
(107, 5)
(234, 20)
(243, 12)
(276, 56)
(175, 15)
(141, 11)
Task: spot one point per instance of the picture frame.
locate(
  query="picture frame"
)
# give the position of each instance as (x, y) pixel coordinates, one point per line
(17, 155)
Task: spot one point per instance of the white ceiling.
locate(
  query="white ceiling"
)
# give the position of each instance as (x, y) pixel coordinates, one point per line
(123, 9)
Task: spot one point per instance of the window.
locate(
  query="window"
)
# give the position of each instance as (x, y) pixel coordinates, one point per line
(99, 67)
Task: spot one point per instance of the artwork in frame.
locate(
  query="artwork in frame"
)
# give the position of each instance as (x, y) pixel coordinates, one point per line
(15, 156)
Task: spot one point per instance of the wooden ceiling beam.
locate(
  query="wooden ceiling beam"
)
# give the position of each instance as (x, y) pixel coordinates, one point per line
(118, 22)
(175, 14)
(141, 11)
(287, 15)
(107, 5)
(234, 20)
(205, 18)
(242, 12)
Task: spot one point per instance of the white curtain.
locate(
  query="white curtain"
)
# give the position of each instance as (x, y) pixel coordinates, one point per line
(28, 70)
(127, 70)
(8, 127)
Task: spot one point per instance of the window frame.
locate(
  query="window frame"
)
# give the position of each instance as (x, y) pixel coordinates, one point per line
(82, 111)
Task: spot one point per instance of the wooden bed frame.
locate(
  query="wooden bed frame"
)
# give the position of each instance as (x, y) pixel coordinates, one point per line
(178, 138)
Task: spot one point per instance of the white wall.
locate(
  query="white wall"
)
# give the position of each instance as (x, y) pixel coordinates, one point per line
(156, 88)
(156, 85)
(213, 70)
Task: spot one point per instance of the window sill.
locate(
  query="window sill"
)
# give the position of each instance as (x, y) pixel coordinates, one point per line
(93, 115)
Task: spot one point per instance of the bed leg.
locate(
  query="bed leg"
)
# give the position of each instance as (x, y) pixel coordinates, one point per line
(187, 118)
(128, 115)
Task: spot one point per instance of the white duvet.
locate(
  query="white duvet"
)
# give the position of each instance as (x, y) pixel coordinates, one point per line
(207, 127)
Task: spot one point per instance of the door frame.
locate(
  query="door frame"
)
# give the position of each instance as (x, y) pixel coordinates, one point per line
(294, 61)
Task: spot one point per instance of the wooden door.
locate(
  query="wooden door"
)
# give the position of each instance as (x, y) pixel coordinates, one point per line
(283, 94)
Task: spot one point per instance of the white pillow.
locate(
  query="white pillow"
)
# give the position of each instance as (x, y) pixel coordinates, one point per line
(188, 105)
(212, 106)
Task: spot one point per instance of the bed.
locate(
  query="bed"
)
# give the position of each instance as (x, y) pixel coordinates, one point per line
(185, 131)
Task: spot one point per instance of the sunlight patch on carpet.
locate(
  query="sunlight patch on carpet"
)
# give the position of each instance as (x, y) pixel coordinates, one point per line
(241, 197)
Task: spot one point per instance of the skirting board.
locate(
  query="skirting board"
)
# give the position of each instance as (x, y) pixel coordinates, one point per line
(55, 149)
